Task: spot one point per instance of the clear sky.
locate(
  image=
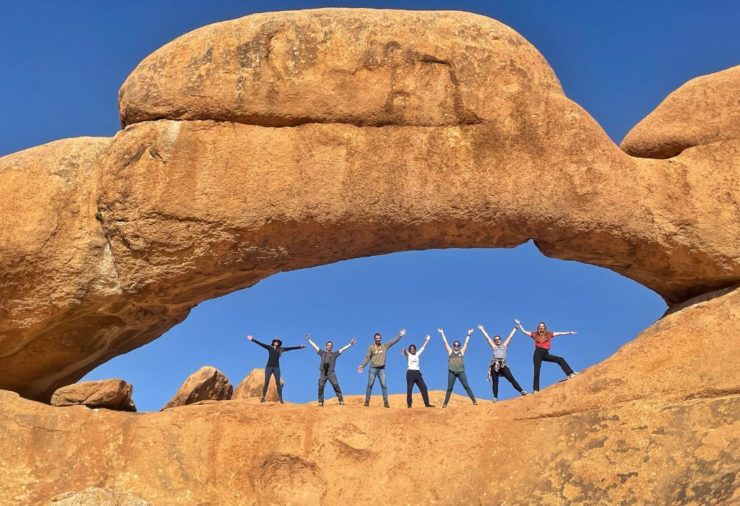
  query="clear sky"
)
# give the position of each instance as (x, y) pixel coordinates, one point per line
(63, 65)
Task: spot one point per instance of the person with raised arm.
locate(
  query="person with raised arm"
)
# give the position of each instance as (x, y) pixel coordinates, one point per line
(376, 355)
(326, 367)
(498, 365)
(456, 366)
(273, 364)
(413, 373)
(542, 340)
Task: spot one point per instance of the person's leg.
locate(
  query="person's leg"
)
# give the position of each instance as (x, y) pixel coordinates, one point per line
(464, 381)
(268, 373)
(560, 361)
(371, 374)
(409, 386)
(537, 359)
(335, 385)
(450, 383)
(506, 372)
(276, 372)
(494, 383)
(423, 389)
(322, 385)
(383, 387)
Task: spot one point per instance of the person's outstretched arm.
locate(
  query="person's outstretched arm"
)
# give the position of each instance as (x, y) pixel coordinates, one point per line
(519, 326)
(395, 339)
(423, 346)
(467, 340)
(258, 343)
(564, 333)
(444, 339)
(313, 345)
(404, 352)
(291, 348)
(508, 339)
(488, 338)
(345, 348)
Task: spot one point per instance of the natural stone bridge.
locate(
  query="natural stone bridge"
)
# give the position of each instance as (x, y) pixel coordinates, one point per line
(285, 140)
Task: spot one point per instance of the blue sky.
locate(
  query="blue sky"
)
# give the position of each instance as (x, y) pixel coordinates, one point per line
(63, 65)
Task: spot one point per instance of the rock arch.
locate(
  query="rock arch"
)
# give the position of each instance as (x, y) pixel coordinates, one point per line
(286, 140)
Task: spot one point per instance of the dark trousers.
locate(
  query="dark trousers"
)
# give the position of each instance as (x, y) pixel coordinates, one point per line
(414, 378)
(332, 378)
(272, 371)
(541, 354)
(506, 373)
(451, 377)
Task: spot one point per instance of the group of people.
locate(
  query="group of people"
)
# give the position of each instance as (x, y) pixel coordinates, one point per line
(376, 355)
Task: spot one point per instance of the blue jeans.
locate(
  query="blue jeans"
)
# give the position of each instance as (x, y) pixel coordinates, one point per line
(451, 377)
(371, 374)
(272, 371)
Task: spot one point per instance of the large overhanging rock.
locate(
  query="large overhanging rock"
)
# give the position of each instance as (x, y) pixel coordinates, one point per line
(702, 111)
(480, 148)
(656, 423)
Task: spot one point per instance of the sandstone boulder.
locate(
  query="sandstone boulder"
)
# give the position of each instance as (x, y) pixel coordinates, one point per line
(251, 386)
(702, 111)
(111, 394)
(358, 66)
(205, 384)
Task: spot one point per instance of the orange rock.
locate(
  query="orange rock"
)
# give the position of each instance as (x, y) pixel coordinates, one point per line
(702, 111)
(205, 384)
(655, 423)
(251, 386)
(110, 394)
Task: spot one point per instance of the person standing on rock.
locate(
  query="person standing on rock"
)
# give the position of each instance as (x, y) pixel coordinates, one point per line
(413, 373)
(326, 367)
(376, 355)
(498, 365)
(456, 366)
(273, 364)
(542, 340)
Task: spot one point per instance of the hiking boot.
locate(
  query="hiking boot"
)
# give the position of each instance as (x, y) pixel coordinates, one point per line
(262, 399)
(367, 402)
(475, 403)
(321, 403)
(428, 405)
(386, 405)
(341, 402)
(281, 401)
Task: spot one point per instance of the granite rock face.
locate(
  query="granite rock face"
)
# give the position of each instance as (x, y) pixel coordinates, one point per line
(287, 140)
(205, 384)
(702, 111)
(111, 394)
(647, 425)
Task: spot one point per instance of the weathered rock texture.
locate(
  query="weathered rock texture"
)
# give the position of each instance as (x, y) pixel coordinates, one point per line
(94, 496)
(397, 130)
(655, 423)
(110, 394)
(251, 386)
(702, 111)
(205, 384)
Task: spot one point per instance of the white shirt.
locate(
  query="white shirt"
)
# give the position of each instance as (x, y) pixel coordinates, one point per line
(413, 360)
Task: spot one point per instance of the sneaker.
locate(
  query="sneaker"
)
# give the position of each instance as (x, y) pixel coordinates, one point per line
(341, 402)
(321, 403)
(428, 405)
(281, 401)
(572, 374)
(262, 399)
(409, 407)
(494, 399)
(386, 405)
(367, 403)
(444, 405)
(475, 403)
(524, 392)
